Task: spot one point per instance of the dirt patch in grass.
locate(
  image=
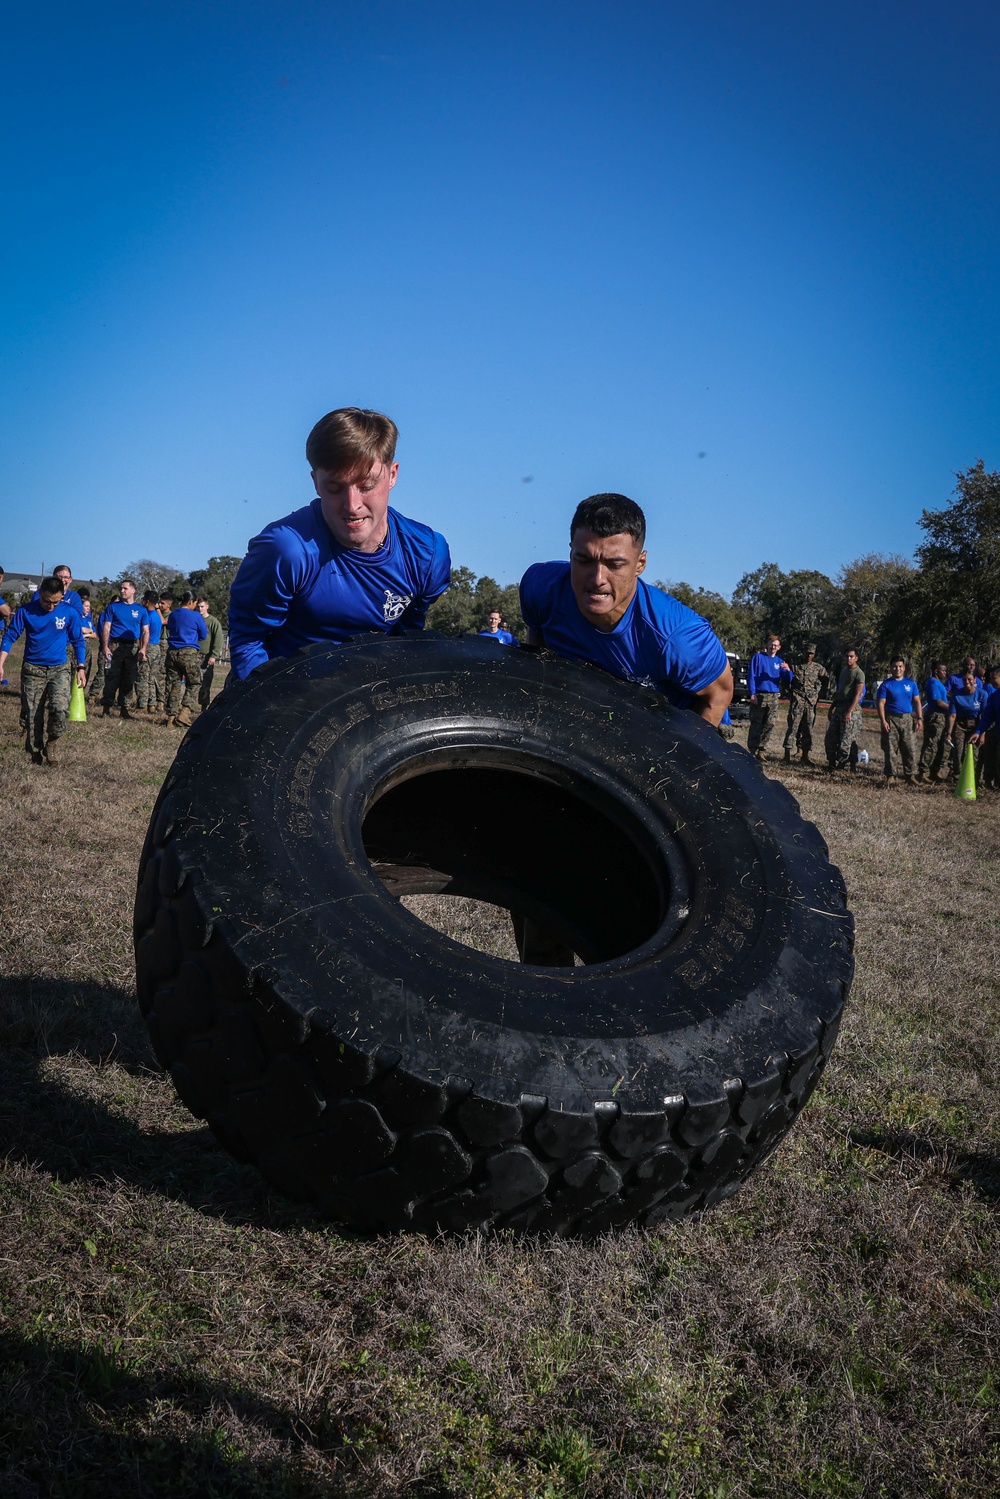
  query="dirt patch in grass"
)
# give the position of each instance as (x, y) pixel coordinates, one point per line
(169, 1326)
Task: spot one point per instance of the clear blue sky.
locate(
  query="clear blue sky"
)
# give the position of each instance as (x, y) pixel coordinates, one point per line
(737, 260)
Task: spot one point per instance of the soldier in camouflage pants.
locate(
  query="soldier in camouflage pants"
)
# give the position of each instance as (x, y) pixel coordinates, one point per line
(146, 679)
(44, 689)
(183, 675)
(845, 715)
(808, 682)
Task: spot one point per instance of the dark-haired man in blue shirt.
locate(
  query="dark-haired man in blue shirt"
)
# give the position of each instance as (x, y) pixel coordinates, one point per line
(495, 631)
(767, 674)
(342, 565)
(48, 625)
(595, 607)
(900, 714)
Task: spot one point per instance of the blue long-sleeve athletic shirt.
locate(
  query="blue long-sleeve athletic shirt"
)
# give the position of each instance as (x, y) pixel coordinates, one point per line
(658, 640)
(297, 585)
(989, 717)
(46, 633)
(766, 674)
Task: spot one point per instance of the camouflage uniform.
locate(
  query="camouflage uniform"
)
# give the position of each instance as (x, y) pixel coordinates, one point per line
(145, 685)
(43, 688)
(899, 739)
(960, 736)
(934, 752)
(808, 684)
(183, 667)
(844, 727)
(120, 676)
(158, 681)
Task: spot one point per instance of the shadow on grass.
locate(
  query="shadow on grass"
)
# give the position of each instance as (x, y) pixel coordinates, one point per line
(77, 1137)
(978, 1169)
(80, 1421)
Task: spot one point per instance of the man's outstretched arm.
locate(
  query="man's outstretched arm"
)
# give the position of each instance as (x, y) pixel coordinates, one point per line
(712, 701)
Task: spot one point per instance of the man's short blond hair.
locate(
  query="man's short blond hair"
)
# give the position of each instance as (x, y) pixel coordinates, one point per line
(351, 441)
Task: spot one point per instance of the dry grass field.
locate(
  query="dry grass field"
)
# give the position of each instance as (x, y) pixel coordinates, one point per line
(170, 1327)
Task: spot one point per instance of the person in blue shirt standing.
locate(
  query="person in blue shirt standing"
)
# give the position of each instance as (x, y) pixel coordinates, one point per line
(987, 735)
(48, 624)
(494, 630)
(767, 674)
(145, 685)
(963, 718)
(900, 713)
(956, 682)
(934, 749)
(185, 631)
(124, 634)
(346, 563)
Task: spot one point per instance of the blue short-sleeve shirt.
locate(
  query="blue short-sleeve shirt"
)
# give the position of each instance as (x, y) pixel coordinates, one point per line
(658, 641)
(899, 697)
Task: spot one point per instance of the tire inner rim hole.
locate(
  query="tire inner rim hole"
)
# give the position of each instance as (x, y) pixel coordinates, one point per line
(580, 880)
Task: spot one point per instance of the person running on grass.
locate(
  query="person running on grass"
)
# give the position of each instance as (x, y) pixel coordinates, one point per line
(345, 563)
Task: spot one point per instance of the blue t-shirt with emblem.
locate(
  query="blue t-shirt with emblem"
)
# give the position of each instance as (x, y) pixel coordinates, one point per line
(899, 697)
(127, 620)
(502, 637)
(298, 585)
(968, 704)
(658, 640)
(46, 632)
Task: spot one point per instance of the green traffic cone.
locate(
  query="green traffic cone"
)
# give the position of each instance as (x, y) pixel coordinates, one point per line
(77, 704)
(966, 788)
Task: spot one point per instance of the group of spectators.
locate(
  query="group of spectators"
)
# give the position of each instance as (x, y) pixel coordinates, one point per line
(956, 710)
(349, 563)
(154, 657)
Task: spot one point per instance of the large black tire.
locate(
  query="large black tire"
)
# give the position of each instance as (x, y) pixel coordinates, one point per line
(395, 1077)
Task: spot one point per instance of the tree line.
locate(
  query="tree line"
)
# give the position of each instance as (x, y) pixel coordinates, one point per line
(945, 602)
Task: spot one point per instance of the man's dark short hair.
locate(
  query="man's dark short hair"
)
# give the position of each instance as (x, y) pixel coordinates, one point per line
(610, 515)
(166, 598)
(63, 567)
(51, 585)
(939, 663)
(126, 580)
(149, 597)
(897, 657)
(351, 440)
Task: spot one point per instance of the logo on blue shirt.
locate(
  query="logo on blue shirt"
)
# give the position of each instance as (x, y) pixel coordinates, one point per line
(396, 604)
(60, 622)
